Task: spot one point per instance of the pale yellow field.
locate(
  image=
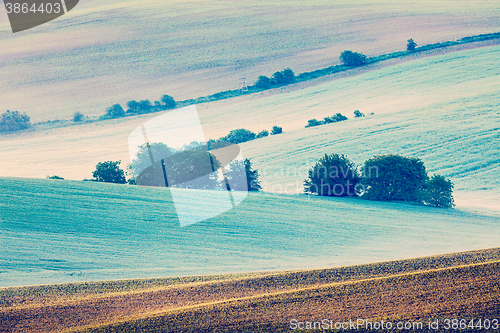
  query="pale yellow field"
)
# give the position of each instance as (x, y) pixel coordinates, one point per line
(105, 53)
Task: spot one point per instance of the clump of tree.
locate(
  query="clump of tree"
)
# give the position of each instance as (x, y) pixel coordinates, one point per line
(14, 121)
(166, 102)
(333, 175)
(192, 166)
(411, 45)
(276, 130)
(358, 114)
(353, 59)
(78, 117)
(384, 178)
(279, 78)
(399, 178)
(327, 120)
(109, 172)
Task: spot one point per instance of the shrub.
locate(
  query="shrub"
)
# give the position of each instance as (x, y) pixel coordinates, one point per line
(55, 177)
(263, 82)
(358, 114)
(109, 172)
(313, 123)
(276, 130)
(438, 192)
(352, 59)
(14, 121)
(332, 175)
(411, 45)
(394, 177)
(252, 176)
(334, 119)
(115, 111)
(262, 134)
(78, 117)
(239, 136)
(133, 107)
(168, 102)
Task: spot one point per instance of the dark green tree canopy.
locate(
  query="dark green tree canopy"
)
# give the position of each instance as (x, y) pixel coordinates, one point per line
(333, 175)
(438, 192)
(109, 172)
(350, 58)
(14, 121)
(411, 45)
(115, 111)
(394, 177)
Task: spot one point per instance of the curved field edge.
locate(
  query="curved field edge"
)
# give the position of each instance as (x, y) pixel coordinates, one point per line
(258, 299)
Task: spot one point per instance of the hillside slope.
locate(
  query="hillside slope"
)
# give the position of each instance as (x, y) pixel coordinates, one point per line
(442, 109)
(60, 231)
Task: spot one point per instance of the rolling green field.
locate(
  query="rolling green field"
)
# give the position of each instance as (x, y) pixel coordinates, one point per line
(66, 231)
(460, 285)
(105, 53)
(442, 109)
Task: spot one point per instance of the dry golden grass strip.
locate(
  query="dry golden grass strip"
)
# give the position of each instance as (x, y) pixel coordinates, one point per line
(66, 306)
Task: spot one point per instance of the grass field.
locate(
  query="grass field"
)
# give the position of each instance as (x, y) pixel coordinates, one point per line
(100, 54)
(460, 285)
(443, 109)
(67, 231)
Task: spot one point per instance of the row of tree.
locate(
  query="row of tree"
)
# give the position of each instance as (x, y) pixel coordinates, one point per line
(279, 78)
(166, 102)
(383, 178)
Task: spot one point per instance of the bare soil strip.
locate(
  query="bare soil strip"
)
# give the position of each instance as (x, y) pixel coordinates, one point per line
(465, 284)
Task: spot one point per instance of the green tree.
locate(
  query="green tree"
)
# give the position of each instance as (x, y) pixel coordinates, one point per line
(352, 59)
(115, 111)
(438, 192)
(276, 130)
(237, 168)
(394, 177)
(334, 119)
(288, 75)
(262, 134)
(109, 172)
(78, 117)
(411, 45)
(14, 121)
(278, 78)
(313, 123)
(263, 82)
(168, 102)
(239, 136)
(333, 175)
(358, 114)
